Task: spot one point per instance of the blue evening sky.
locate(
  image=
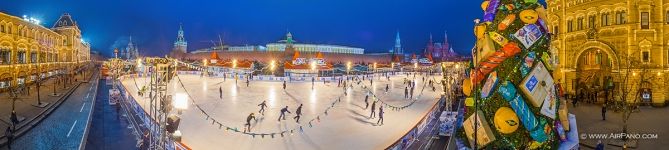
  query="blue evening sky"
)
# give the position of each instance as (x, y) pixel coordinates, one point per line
(153, 24)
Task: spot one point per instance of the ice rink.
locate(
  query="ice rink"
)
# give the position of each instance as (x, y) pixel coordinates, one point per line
(346, 126)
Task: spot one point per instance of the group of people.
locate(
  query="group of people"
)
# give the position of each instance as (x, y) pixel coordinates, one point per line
(372, 113)
(408, 94)
(345, 83)
(282, 115)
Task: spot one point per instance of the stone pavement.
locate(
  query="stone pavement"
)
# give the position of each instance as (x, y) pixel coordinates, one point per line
(648, 120)
(65, 127)
(26, 107)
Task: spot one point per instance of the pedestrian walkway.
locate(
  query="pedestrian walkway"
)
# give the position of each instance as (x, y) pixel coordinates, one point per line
(109, 127)
(648, 120)
(26, 105)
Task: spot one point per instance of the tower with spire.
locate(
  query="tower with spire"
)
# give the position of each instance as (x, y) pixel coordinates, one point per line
(180, 45)
(289, 51)
(439, 51)
(429, 49)
(398, 45)
(131, 50)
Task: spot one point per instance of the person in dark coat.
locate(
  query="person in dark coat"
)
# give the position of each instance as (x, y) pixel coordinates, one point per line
(262, 107)
(220, 92)
(412, 89)
(406, 93)
(387, 87)
(371, 115)
(248, 122)
(366, 102)
(600, 145)
(298, 113)
(380, 115)
(14, 119)
(604, 112)
(283, 113)
(10, 137)
(284, 85)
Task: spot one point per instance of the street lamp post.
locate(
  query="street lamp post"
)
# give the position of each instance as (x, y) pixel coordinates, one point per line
(38, 81)
(348, 68)
(272, 66)
(58, 76)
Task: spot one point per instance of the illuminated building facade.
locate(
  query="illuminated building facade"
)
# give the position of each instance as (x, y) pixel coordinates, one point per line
(281, 46)
(599, 42)
(29, 50)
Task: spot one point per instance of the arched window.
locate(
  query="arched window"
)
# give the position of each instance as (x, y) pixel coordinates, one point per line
(5, 56)
(605, 19)
(620, 17)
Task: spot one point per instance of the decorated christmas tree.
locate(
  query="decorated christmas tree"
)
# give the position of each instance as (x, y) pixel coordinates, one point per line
(512, 100)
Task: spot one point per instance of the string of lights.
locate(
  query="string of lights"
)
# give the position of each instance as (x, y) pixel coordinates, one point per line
(282, 133)
(395, 107)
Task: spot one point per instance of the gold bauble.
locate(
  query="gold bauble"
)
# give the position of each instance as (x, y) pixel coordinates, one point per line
(506, 120)
(529, 16)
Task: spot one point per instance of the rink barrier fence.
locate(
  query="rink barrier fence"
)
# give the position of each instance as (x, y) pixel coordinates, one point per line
(411, 135)
(273, 78)
(147, 121)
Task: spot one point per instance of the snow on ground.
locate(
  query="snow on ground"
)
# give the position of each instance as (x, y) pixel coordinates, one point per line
(346, 126)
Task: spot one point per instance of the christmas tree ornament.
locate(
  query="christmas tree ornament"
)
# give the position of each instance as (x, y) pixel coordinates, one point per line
(483, 133)
(528, 35)
(549, 108)
(509, 92)
(469, 102)
(489, 85)
(506, 22)
(498, 38)
(467, 87)
(489, 14)
(479, 30)
(534, 145)
(537, 85)
(528, 62)
(509, 7)
(560, 130)
(563, 114)
(485, 48)
(541, 12)
(510, 49)
(529, 16)
(484, 5)
(506, 121)
(547, 61)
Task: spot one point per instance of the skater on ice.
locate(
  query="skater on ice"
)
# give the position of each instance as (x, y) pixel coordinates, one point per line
(366, 102)
(298, 113)
(380, 116)
(248, 122)
(371, 115)
(406, 93)
(262, 107)
(283, 113)
(284, 85)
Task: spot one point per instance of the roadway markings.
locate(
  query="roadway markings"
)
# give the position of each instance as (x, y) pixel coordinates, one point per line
(82, 107)
(68, 133)
(89, 94)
